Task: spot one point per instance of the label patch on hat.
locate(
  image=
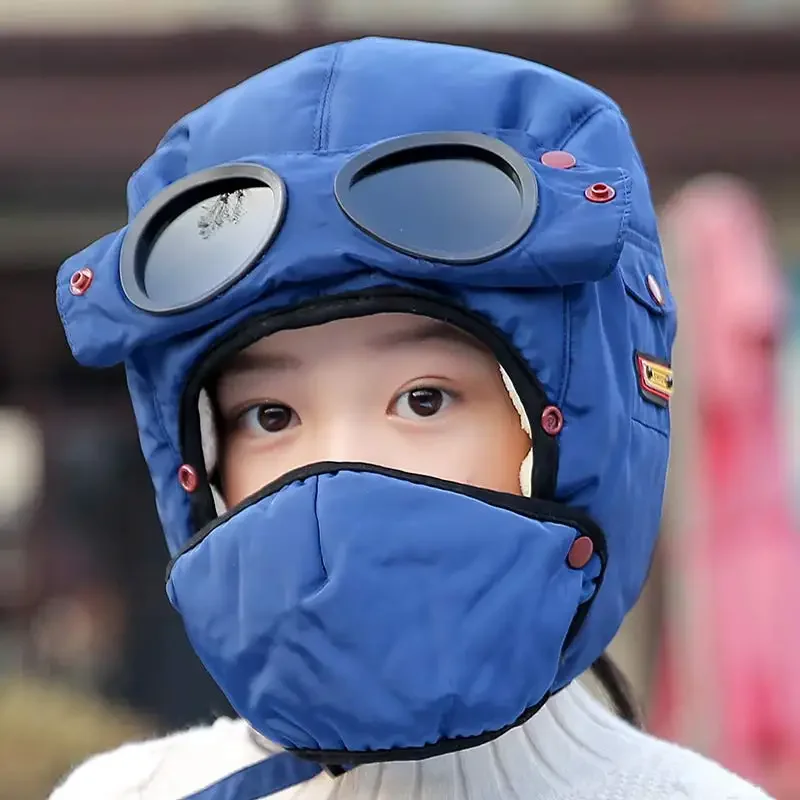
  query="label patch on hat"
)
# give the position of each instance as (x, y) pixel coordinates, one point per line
(655, 379)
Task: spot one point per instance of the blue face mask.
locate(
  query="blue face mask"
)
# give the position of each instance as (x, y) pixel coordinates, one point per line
(378, 615)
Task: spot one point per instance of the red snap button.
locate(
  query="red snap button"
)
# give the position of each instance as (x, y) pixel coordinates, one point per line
(600, 193)
(81, 281)
(552, 420)
(187, 477)
(581, 552)
(655, 290)
(558, 159)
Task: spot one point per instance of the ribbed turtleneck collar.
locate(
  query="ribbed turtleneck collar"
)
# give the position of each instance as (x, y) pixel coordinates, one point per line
(573, 738)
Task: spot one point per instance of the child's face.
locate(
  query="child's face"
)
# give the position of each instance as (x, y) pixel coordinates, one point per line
(394, 390)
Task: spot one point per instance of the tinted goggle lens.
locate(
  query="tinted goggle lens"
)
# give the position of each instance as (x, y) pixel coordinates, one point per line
(453, 198)
(200, 236)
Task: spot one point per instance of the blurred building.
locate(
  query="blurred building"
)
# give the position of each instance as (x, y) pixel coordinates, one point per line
(87, 87)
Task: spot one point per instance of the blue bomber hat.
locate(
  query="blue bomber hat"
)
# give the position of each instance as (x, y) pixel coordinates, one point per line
(381, 175)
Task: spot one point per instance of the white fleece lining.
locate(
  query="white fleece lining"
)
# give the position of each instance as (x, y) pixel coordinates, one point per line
(209, 441)
(526, 470)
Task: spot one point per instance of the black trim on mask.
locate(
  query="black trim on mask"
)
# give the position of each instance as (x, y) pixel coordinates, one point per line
(362, 304)
(334, 759)
(532, 508)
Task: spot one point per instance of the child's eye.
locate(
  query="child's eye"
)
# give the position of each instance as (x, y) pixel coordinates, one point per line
(422, 402)
(272, 418)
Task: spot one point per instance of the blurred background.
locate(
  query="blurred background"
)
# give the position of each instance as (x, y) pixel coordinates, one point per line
(91, 654)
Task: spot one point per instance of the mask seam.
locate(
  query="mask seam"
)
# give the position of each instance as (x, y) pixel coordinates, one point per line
(319, 532)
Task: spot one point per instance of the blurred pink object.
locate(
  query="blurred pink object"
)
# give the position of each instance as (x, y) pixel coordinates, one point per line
(729, 681)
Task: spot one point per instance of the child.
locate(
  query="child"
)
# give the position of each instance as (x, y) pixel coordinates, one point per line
(397, 333)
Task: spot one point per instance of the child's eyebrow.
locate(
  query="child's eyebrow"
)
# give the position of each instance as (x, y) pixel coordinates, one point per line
(253, 361)
(429, 331)
(249, 361)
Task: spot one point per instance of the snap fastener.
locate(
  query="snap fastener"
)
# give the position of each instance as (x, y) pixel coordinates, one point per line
(655, 290)
(187, 477)
(81, 281)
(581, 552)
(552, 420)
(600, 193)
(558, 159)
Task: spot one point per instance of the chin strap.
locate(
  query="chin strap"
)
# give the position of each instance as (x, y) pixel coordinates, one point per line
(262, 779)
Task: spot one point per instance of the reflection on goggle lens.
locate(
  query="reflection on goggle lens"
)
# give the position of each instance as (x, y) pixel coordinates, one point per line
(209, 244)
(200, 235)
(228, 207)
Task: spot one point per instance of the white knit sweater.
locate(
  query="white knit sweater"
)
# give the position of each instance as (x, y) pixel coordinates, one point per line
(573, 749)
